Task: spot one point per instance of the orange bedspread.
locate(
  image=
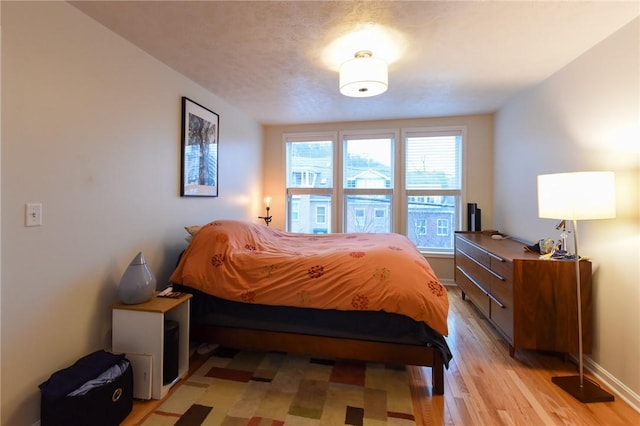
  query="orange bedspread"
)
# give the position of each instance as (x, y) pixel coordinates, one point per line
(251, 263)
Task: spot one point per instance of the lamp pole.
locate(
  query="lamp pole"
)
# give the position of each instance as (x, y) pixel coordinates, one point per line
(578, 196)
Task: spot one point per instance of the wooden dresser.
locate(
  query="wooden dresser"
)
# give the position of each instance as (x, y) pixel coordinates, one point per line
(531, 302)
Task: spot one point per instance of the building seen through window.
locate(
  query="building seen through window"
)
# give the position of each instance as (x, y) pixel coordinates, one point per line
(415, 190)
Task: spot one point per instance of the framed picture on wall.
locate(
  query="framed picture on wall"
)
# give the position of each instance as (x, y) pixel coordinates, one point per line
(199, 174)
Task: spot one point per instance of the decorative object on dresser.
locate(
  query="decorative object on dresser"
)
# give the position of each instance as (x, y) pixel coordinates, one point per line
(578, 196)
(530, 301)
(138, 283)
(474, 217)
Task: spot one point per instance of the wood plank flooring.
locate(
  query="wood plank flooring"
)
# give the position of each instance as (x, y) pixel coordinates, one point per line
(485, 386)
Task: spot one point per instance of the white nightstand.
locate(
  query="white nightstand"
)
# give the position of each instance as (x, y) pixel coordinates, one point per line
(139, 330)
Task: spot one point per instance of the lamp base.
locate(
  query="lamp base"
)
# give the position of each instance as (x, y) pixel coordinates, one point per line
(588, 392)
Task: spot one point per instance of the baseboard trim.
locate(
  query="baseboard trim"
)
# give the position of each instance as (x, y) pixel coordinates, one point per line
(616, 386)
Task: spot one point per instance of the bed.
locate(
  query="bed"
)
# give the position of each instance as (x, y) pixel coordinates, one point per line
(369, 297)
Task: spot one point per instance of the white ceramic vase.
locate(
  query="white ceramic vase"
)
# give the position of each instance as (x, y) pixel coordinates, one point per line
(138, 283)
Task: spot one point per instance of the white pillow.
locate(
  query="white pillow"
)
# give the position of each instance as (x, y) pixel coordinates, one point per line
(192, 230)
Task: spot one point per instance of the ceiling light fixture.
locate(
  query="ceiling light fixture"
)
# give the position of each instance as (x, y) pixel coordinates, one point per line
(363, 76)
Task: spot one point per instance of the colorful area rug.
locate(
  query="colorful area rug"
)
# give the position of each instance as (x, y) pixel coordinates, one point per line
(268, 388)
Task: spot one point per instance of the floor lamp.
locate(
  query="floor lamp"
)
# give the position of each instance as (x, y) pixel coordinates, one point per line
(574, 197)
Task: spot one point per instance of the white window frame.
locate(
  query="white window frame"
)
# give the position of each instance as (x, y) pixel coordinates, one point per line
(397, 192)
(331, 192)
(405, 193)
(344, 191)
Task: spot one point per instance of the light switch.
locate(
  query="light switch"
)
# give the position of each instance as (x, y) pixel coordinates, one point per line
(33, 214)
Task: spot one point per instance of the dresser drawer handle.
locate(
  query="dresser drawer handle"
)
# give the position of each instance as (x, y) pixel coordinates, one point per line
(473, 280)
(486, 293)
(499, 303)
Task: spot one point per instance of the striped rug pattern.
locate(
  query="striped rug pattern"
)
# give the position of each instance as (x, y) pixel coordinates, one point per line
(268, 388)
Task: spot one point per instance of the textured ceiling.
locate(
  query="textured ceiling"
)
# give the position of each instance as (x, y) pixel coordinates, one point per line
(271, 59)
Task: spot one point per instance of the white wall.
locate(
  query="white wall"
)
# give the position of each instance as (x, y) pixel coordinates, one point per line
(91, 129)
(479, 147)
(585, 117)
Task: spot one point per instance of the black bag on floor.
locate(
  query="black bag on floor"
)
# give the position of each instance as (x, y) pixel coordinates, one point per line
(95, 391)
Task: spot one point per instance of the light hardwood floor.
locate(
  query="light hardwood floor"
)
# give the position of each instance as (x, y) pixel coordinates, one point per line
(485, 386)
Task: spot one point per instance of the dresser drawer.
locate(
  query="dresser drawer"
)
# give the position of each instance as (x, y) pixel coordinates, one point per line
(502, 306)
(502, 283)
(500, 266)
(479, 271)
(471, 288)
(473, 251)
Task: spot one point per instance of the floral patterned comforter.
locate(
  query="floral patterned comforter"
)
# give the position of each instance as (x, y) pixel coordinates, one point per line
(252, 263)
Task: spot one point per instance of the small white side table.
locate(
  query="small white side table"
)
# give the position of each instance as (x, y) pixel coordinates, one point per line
(139, 329)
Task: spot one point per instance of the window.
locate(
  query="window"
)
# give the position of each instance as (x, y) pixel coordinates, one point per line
(367, 213)
(310, 163)
(309, 180)
(295, 208)
(321, 215)
(304, 178)
(404, 180)
(368, 176)
(433, 186)
(358, 215)
(380, 216)
(442, 229)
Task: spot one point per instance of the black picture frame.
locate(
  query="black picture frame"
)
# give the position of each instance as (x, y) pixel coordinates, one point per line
(200, 132)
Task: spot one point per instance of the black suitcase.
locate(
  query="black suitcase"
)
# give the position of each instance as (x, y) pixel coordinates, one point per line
(107, 403)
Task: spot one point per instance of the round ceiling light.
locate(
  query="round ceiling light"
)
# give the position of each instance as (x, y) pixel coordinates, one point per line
(363, 76)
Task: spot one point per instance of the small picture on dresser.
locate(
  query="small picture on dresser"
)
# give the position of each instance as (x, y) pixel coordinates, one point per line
(200, 129)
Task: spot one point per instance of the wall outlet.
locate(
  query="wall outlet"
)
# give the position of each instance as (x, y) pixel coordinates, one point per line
(33, 214)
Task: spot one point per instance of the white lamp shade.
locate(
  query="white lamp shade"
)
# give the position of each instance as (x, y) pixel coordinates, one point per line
(577, 196)
(361, 77)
